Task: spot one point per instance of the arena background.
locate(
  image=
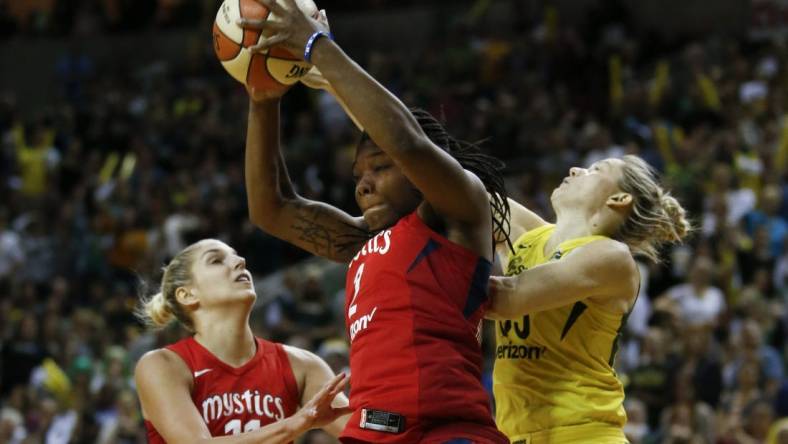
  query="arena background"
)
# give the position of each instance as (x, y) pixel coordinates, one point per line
(121, 141)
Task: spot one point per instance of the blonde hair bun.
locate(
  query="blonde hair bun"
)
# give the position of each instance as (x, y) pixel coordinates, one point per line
(156, 312)
(656, 216)
(680, 226)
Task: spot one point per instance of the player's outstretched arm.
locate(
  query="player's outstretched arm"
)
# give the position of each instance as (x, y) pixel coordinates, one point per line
(450, 190)
(275, 207)
(521, 221)
(603, 268)
(163, 383)
(313, 373)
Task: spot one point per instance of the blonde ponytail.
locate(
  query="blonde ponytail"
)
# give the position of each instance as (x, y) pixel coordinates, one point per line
(155, 312)
(656, 217)
(162, 308)
(679, 227)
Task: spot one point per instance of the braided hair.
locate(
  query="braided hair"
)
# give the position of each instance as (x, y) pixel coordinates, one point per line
(487, 168)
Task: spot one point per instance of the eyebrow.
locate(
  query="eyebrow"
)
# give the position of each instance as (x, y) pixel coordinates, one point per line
(216, 250)
(375, 154)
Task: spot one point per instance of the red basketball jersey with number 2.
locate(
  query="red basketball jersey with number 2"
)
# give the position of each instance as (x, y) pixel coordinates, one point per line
(414, 305)
(236, 400)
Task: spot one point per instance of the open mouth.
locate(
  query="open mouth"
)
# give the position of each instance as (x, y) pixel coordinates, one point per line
(243, 278)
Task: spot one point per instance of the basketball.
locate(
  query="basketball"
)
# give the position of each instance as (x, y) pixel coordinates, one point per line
(276, 68)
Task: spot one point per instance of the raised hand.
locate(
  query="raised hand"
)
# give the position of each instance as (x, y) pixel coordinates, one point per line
(314, 78)
(318, 411)
(291, 27)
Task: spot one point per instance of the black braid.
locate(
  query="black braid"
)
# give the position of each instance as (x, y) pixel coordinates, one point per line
(487, 168)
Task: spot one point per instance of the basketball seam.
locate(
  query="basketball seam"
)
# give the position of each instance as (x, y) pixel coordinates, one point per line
(260, 34)
(249, 67)
(295, 59)
(243, 32)
(262, 57)
(265, 64)
(240, 46)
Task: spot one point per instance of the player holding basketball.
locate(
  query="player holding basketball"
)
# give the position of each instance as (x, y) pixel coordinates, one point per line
(419, 258)
(565, 302)
(223, 381)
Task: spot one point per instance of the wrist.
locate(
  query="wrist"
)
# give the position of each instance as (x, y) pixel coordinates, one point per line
(297, 424)
(262, 102)
(313, 41)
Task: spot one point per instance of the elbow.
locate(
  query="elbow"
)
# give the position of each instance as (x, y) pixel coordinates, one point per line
(264, 213)
(257, 217)
(504, 304)
(502, 312)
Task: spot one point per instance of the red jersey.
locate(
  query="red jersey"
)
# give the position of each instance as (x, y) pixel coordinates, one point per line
(413, 310)
(237, 400)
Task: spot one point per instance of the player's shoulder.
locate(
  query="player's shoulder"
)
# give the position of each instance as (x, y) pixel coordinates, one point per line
(610, 260)
(161, 358)
(601, 249)
(307, 366)
(300, 358)
(605, 253)
(163, 364)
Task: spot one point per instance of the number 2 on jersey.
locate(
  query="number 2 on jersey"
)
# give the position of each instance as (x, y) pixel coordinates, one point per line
(356, 287)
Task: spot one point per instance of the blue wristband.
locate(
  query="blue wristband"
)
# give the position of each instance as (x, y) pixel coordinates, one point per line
(311, 43)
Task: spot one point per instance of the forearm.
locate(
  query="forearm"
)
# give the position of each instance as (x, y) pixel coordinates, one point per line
(382, 115)
(506, 303)
(604, 268)
(529, 292)
(267, 181)
(274, 205)
(330, 89)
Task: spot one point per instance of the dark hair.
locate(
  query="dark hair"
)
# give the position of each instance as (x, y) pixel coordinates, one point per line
(487, 168)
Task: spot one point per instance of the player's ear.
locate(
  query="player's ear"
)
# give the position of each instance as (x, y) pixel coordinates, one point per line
(186, 296)
(619, 201)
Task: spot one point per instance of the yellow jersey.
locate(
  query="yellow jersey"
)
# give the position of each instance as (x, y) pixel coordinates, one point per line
(554, 368)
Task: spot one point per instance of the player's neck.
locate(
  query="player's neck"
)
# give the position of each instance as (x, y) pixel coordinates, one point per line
(570, 224)
(229, 340)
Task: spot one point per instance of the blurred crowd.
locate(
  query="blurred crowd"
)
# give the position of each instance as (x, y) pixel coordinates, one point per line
(119, 172)
(96, 17)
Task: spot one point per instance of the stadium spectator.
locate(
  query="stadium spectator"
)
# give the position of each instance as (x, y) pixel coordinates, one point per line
(127, 163)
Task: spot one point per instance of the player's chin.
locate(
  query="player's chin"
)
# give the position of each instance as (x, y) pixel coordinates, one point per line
(380, 218)
(246, 295)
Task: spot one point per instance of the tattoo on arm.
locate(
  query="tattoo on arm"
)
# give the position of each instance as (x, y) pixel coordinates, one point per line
(325, 234)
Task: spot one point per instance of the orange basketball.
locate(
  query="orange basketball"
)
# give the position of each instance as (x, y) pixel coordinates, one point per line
(277, 68)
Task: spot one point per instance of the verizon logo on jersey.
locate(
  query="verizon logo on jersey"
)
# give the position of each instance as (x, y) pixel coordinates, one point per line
(251, 402)
(361, 324)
